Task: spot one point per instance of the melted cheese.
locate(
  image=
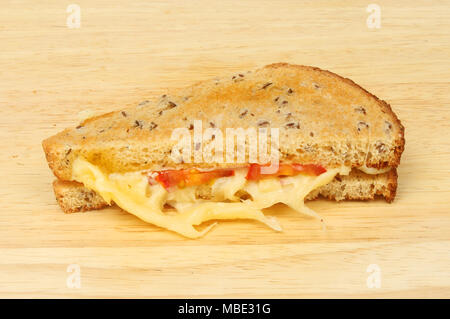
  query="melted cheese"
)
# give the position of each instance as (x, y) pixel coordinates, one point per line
(132, 192)
(373, 171)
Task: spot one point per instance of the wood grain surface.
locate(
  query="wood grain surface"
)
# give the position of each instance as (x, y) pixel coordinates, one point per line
(125, 51)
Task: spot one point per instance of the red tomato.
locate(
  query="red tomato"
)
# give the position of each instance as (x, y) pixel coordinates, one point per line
(310, 169)
(169, 178)
(254, 171)
(189, 177)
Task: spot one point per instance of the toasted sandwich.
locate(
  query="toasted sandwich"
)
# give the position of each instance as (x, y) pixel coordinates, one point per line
(334, 139)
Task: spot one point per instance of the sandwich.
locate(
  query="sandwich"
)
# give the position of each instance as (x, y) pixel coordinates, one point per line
(326, 136)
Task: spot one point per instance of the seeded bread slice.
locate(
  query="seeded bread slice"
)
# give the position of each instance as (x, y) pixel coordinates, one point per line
(74, 197)
(323, 118)
(359, 186)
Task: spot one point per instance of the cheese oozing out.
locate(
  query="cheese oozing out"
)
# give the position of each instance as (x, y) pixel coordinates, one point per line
(374, 171)
(132, 192)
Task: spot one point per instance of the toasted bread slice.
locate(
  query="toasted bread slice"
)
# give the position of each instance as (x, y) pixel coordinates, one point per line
(323, 118)
(74, 197)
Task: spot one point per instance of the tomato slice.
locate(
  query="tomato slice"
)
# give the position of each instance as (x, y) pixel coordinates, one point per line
(254, 171)
(169, 178)
(193, 177)
(189, 177)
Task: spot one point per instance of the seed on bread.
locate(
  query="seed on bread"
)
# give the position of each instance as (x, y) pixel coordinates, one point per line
(362, 125)
(238, 78)
(387, 127)
(143, 103)
(265, 86)
(263, 123)
(138, 123)
(243, 113)
(292, 125)
(153, 125)
(361, 110)
(171, 105)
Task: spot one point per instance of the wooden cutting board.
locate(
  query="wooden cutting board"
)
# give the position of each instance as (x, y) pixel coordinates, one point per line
(125, 51)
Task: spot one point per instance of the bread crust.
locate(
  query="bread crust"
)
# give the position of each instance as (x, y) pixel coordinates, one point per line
(359, 186)
(73, 197)
(340, 123)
